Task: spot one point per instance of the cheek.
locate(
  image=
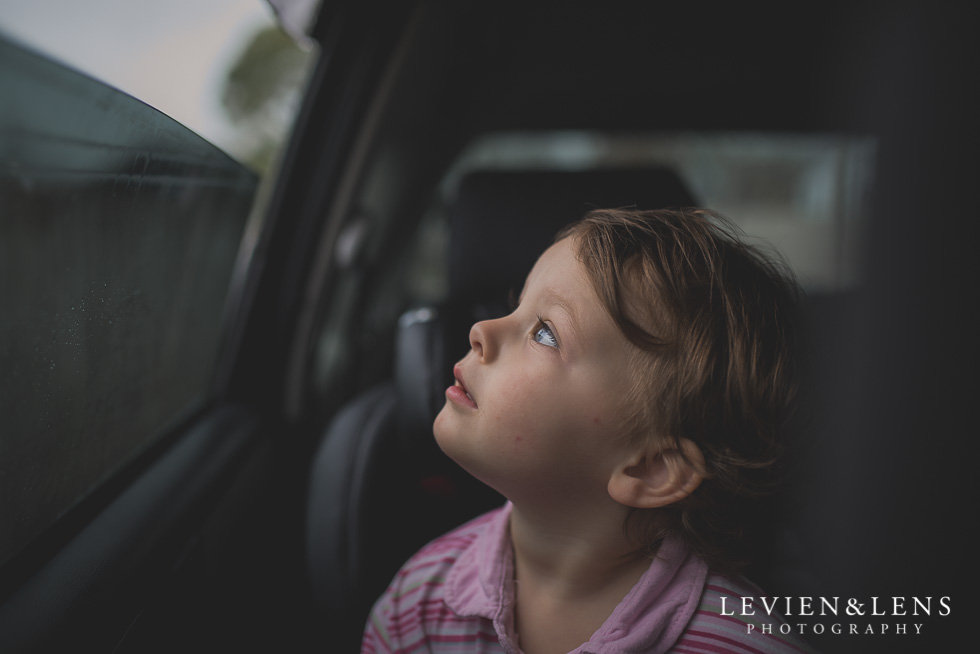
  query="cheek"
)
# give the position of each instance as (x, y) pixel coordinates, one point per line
(525, 412)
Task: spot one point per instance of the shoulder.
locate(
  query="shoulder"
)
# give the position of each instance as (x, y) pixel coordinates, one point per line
(412, 611)
(454, 542)
(735, 616)
(430, 564)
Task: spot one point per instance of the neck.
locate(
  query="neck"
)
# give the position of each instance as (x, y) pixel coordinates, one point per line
(577, 553)
(572, 568)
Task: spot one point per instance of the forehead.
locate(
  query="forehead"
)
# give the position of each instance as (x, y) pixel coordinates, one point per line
(559, 271)
(560, 278)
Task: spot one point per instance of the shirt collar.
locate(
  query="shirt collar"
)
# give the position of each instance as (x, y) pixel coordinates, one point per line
(650, 618)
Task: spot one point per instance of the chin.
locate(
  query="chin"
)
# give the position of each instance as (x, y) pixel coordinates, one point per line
(440, 417)
(443, 431)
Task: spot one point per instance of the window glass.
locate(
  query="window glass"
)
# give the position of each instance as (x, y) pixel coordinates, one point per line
(120, 231)
(222, 68)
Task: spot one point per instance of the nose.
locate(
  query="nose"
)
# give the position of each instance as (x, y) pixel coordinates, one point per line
(483, 339)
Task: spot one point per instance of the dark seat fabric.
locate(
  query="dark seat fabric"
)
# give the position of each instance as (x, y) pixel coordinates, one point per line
(501, 221)
(379, 486)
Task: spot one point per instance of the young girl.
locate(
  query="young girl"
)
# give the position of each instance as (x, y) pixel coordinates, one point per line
(629, 409)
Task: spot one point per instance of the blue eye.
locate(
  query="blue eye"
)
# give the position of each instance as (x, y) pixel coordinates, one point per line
(544, 335)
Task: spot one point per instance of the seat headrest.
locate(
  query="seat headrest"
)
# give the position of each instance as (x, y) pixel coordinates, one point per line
(418, 368)
(501, 221)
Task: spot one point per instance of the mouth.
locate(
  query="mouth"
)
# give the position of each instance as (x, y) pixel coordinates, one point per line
(458, 393)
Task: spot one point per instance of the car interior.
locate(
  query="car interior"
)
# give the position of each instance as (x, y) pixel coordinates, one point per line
(261, 494)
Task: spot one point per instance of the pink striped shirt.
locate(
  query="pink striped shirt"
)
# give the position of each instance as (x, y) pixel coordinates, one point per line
(456, 596)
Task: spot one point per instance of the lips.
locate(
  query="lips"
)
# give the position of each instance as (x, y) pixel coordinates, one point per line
(458, 393)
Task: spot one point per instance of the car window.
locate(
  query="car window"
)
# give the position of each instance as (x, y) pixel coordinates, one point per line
(222, 68)
(119, 238)
(806, 196)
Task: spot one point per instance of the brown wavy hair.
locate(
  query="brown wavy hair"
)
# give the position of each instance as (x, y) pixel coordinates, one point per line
(716, 326)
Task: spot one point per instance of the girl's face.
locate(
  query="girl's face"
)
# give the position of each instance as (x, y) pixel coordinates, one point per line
(538, 404)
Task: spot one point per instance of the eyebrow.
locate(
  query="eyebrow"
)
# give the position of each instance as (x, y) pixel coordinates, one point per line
(554, 299)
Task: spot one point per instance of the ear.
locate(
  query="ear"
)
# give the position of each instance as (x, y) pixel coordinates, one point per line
(659, 475)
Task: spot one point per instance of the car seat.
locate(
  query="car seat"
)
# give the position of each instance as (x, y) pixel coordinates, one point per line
(379, 486)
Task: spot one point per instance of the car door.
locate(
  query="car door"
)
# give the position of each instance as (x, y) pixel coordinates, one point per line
(151, 481)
